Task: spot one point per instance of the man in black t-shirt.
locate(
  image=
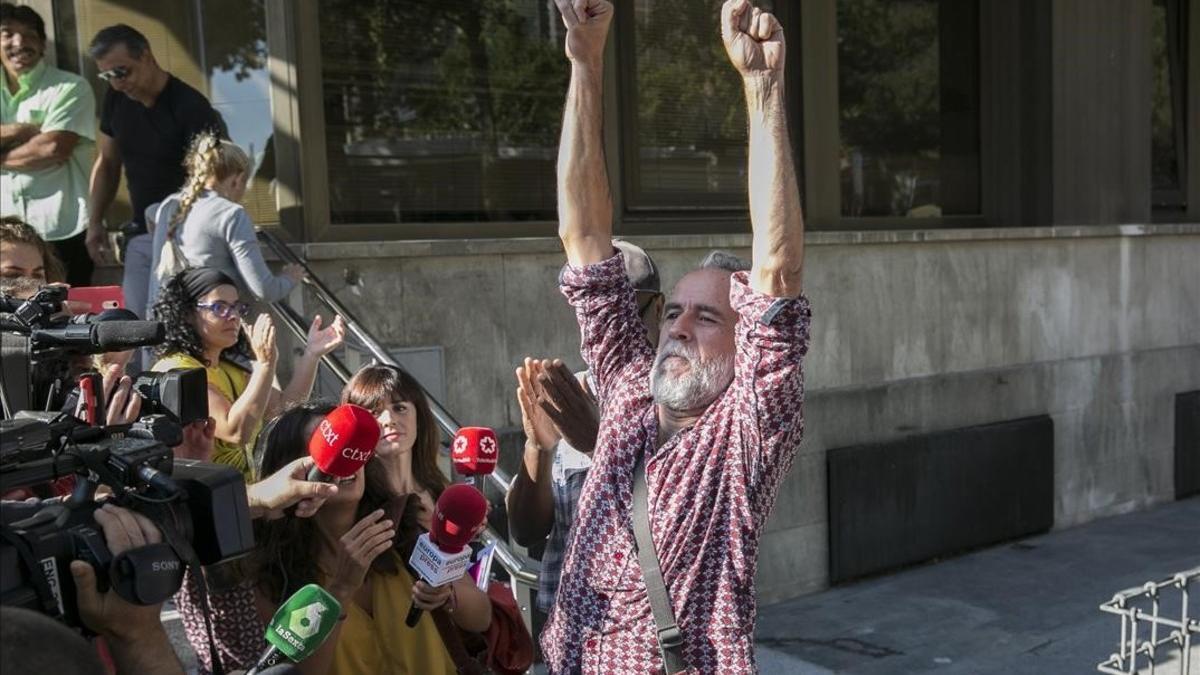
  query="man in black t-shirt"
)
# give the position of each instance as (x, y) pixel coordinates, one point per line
(147, 120)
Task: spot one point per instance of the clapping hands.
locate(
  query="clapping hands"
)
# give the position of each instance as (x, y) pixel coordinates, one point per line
(322, 340)
(554, 404)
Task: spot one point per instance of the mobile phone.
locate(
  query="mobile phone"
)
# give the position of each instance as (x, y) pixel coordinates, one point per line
(99, 298)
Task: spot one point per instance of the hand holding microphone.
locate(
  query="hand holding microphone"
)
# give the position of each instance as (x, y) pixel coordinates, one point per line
(340, 445)
(271, 497)
(299, 627)
(441, 555)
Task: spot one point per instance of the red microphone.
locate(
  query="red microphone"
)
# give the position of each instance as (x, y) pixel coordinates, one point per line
(342, 443)
(474, 451)
(441, 555)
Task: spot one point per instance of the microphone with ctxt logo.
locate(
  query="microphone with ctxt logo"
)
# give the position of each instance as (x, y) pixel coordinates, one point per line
(299, 627)
(342, 443)
(474, 452)
(441, 555)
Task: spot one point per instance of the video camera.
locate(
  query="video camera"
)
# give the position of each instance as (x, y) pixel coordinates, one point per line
(39, 343)
(201, 508)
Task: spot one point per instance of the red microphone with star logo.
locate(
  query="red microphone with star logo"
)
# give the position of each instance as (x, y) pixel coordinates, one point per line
(474, 451)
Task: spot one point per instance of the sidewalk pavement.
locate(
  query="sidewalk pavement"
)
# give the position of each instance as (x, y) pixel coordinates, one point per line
(1024, 607)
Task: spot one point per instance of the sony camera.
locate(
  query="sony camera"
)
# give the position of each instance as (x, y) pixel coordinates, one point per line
(201, 509)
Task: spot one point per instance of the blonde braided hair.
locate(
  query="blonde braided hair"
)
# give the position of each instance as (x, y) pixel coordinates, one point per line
(208, 158)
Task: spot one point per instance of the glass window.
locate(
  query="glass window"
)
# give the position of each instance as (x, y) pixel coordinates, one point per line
(66, 36)
(233, 56)
(1169, 105)
(686, 140)
(908, 73)
(442, 111)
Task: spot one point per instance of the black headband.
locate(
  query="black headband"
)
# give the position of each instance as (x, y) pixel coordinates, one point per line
(198, 281)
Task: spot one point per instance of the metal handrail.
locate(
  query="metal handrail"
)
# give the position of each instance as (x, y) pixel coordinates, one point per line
(520, 568)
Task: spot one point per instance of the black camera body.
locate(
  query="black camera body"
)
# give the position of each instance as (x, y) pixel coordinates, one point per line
(180, 393)
(201, 509)
(41, 348)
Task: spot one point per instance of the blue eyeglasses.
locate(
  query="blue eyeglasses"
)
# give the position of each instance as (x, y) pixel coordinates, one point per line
(225, 310)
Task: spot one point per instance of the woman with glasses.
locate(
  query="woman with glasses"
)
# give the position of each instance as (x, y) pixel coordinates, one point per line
(203, 316)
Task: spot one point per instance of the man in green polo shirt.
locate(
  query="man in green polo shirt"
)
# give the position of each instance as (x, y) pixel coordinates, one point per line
(47, 139)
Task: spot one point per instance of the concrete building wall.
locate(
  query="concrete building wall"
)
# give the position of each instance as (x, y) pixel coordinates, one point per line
(912, 332)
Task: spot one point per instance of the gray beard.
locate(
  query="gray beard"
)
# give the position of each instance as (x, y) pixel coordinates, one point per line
(697, 388)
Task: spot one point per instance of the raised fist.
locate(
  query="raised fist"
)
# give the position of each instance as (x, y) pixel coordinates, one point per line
(753, 39)
(587, 24)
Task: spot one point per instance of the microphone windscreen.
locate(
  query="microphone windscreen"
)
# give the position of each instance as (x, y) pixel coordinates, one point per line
(344, 440)
(475, 451)
(459, 512)
(303, 622)
(119, 336)
(115, 314)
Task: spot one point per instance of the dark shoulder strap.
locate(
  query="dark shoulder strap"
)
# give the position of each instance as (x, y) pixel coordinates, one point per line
(670, 638)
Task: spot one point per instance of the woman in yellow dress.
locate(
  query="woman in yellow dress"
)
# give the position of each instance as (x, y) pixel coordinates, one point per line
(203, 315)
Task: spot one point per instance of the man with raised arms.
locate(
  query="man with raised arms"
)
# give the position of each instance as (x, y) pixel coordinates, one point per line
(715, 411)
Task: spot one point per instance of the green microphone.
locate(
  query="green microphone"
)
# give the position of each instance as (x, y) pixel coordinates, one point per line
(300, 626)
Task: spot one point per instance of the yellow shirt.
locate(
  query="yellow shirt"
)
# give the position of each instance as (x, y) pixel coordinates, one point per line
(383, 643)
(230, 381)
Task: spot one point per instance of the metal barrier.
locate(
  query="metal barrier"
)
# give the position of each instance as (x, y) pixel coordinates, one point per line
(1158, 641)
(521, 568)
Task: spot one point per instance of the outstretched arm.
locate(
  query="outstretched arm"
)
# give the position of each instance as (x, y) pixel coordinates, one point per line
(584, 200)
(755, 44)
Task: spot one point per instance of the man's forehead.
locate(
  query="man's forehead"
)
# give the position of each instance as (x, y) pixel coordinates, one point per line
(12, 26)
(704, 288)
(117, 56)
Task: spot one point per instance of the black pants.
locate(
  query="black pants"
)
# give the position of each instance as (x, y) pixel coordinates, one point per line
(74, 256)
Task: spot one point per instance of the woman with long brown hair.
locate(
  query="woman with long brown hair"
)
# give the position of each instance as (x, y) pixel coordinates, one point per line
(409, 440)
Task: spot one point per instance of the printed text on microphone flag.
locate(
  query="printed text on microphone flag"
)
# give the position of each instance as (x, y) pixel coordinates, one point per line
(436, 567)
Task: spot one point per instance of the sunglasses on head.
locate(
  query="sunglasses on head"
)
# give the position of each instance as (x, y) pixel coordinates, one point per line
(225, 310)
(118, 73)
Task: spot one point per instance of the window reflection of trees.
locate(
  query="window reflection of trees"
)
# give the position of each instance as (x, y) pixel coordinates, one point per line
(442, 110)
(1168, 108)
(908, 75)
(889, 105)
(235, 36)
(691, 116)
(234, 58)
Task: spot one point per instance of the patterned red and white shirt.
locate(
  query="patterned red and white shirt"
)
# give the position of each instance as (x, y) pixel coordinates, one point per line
(711, 487)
